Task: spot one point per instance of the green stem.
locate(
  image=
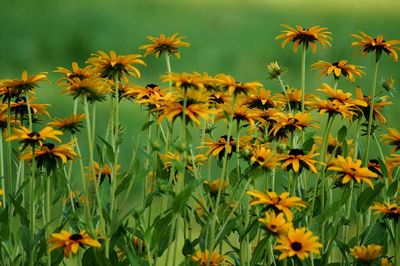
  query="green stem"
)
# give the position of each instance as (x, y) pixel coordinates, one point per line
(303, 84)
(168, 63)
(32, 213)
(28, 105)
(285, 93)
(48, 213)
(371, 111)
(3, 187)
(223, 176)
(396, 225)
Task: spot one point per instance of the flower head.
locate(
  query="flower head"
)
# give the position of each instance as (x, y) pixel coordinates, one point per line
(71, 242)
(263, 156)
(275, 224)
(278, 203)
(275, 71)
(213, 186)
(366, 253)
(306, 36)
(348, 170)
(115, 66)
(165, 44)
(338, 69)
(203, 258)
(392, 138)
(390, 210)
(29, 137)
(297, 242)
(377, 45)
(72, 123)
(76, 72)
(217, 148)
(16, 87)
(297, 160)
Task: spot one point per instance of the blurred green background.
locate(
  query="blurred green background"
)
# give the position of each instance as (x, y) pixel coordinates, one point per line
(234, 37)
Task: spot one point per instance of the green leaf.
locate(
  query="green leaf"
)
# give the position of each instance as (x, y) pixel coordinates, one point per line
(307, 146)
(392, 189)
(179, 203)
(342, 134)
(367, 197)
(91, 257)
(187, 248)
(334, 207)
(227, 230)
(383, 167)
(259, 252)
(109, 149)
(374, 234)
(147, 125)
(20, 210)
(161, 232)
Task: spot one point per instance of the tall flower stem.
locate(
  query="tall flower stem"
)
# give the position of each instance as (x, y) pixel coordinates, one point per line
(285, 93)
(303, 77)
(32, 213)
(396, 225)
(3, 187)
(168, 63)
(371, 110)
(48, 212)
(92, 171)
(223, 176)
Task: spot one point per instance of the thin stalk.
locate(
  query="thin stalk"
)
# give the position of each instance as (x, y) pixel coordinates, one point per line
(223, 176)
(48, 213)
(285, 93)
(9, 187)
(303, 84)
(3, 187)
(168, 63)
(396, 225)
(28, 105)
(32, 213)
(371, 110)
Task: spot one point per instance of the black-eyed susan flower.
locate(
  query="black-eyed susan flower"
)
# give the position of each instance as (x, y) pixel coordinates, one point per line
(389, 210)
(241, 114)
(338, 69)
(334, 146)
(309, 37)
(366, 253)
(94, 88)
(51, 156)
(103, 171)
(378, 45)
(217, 148)
(386, 262)
(25, 84)
(71, 124)
(184, 80)
(392, 138)
(165, 44)
(142, 93)
(288, 123)
(19, 107)
(374, 166)
(296, 160)
(76, 72)
(261, 100)
(333, 107)
(30, 138)
(275, 224)
(293, 99)
(115, 66)
(263, 156)
(235, 87)
(348, 170)
(341, 96)
(297, 242)
(203, 258)
(193, 112)
(379, 104)
(278, 203)
(71, 242)
(213, 186)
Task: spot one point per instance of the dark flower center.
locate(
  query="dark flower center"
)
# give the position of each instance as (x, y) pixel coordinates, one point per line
(335, 64)
(296, 152)
(261, 159)
(151, 86)
(296, 246)
(393, 209)
(33, 134)
(76, 237)
(273, 226)
(50, 146)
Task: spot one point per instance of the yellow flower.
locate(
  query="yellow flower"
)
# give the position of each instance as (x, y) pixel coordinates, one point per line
(25, 84)
(205, 258)
(307, 37)
(94, 88)
(392, 138)
(217, 148)
(297, 242)
(275, 224)
(296, 160)
(261, 100)
(165, 44)
(214, 186)
(340, 68)
(71, 242)
(386, 262)
(72, 123)
(377, 45)
(51, 156)
(234, 87)
(103, 171)
(76, 72)
(379, 104)
(115, 66)
(28, 137)
(288, 123)
(184, 80)
(390, 210)
(366, 253)
(263, 156)
(349, 170)
(279, 203)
